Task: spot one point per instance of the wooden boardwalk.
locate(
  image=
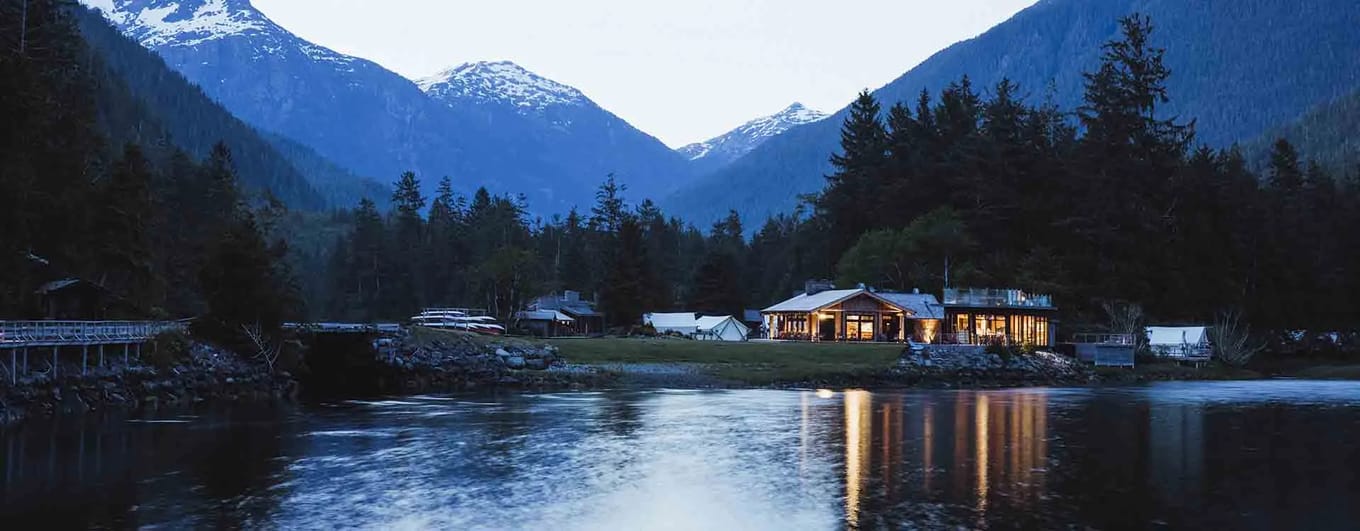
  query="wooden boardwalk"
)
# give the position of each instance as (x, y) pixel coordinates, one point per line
(20, 337)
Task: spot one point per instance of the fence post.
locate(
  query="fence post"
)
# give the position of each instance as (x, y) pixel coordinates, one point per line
(54, 363)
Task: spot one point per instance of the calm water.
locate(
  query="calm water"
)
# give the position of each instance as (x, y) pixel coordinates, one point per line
(1254, 455)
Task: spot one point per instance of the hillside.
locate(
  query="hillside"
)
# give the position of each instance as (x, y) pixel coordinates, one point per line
(141, 100)
(1239, 68)
(1328, 134)
(570, 131)
(373, 122)
(717, 152)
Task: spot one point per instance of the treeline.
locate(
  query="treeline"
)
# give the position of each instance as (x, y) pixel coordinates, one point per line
(162, 235)
(488, 253)
(1108, 202)
(1111, 202)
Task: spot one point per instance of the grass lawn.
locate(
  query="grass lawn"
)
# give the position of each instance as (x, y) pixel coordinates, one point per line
(756, 362)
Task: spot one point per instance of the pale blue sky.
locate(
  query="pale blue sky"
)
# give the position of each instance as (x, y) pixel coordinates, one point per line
(682, 70)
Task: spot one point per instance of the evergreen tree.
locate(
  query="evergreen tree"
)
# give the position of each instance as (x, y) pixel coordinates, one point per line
(849, 197)
(125, 255)
(407, 248)
(717, 288)
(623, 294)
(442, 259)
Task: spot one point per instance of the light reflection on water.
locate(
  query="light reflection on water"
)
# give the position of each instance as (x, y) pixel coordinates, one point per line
(1192, 455)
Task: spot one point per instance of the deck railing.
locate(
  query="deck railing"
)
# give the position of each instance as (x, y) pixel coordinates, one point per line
(20, 334)
(1003, 298)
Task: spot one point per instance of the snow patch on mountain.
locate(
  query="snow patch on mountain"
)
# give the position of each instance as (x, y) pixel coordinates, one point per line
(500, 82)
(182, 23)
(748, 136)
(162, 24)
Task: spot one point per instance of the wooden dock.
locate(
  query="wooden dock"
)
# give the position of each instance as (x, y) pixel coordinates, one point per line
(21, 337)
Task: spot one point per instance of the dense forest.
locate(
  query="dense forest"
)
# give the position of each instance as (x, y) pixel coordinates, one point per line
(164, 234)
(1328, 134)
(1243, 67)
(1108, 202)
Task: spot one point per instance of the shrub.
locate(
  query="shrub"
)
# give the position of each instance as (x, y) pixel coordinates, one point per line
(1232, 341)
(167, 349)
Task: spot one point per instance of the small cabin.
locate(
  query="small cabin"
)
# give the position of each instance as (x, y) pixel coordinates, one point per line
(546, 323)
(585, 318)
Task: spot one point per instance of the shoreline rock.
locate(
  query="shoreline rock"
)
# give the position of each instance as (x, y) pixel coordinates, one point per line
(205, 374)
(429, 360)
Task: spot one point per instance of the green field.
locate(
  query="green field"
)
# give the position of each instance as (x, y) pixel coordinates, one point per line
(756, 362)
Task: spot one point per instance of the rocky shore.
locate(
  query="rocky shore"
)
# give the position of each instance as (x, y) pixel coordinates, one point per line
(417, 361)
(423, 360)
(971, 366)
(203, 373)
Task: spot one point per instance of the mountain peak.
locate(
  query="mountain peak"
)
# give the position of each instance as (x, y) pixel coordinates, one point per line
(500, 82)
(182, 22)
(748, 136)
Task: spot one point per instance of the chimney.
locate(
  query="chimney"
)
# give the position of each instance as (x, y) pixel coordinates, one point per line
(915, 291)
(813, 287)
(571, 296)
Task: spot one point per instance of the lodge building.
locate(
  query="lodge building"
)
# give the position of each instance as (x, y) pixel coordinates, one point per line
(969, 316)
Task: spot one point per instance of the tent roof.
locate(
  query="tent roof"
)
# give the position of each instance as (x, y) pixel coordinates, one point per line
(817, 301)
(1177, 335)
(671, 320)
(713, 321)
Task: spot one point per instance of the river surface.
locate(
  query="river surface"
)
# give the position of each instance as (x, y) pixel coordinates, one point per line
(1242, 455)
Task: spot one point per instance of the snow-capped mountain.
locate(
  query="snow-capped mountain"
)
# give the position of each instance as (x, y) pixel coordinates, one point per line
(500, 82)
(718, 152)
(567, 122)
(376, 123)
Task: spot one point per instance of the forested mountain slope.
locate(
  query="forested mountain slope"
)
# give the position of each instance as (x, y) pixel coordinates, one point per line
(1238, 67)
(1329, 134)
(141, 100)
(373, 122)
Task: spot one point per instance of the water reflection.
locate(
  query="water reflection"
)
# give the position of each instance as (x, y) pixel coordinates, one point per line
(990, 447)
(1211, 456)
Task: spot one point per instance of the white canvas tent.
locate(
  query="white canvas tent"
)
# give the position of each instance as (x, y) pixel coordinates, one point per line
(689, 324)
(1179, 341)
(722, 328)
(684, 323)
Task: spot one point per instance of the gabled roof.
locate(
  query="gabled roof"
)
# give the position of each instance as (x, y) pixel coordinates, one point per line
(544, 315)
(817, 301)
(921, 305)
(670, 320)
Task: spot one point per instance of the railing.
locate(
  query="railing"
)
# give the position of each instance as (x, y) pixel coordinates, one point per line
(470, 312)
(1104, 339)
(1012, 298)
(20, 334)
